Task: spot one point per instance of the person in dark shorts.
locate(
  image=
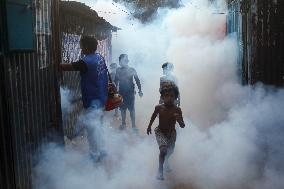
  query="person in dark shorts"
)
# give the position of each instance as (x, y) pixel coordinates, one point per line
(94, 89)
(165, 133)
(124, 80)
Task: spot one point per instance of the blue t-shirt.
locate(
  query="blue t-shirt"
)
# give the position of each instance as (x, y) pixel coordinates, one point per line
(94, 80)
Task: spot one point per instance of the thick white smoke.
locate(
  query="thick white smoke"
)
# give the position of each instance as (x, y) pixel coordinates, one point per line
(233, 134)
(66, 100)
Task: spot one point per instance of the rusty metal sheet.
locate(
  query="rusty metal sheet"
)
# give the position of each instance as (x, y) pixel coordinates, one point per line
(30, 89)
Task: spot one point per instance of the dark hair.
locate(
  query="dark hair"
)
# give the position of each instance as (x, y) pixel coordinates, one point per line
(122, 56)
(90, 43)
(168, 65)
(170, 88)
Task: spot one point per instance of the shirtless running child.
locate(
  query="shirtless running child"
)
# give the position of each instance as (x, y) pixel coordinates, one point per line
(165, 133)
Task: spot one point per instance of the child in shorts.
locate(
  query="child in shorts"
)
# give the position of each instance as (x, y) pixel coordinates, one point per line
(165, 133)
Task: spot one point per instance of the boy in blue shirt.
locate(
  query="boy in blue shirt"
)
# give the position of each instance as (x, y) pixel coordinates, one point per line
(94, 88)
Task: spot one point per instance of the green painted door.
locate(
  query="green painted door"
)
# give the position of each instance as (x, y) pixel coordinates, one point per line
(20, 25)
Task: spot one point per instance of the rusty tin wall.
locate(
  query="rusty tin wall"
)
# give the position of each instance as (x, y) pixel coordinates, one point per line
(30, 106)
(262, 27)
(7, 179)
(266, 32)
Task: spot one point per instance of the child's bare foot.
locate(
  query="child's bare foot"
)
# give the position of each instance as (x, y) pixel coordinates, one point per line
(160, 176)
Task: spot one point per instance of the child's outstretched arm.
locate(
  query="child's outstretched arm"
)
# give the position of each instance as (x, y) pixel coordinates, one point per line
(153, 117)
(179, 118)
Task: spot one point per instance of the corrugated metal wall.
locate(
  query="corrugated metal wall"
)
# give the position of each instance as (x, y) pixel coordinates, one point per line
(30, 90)
(262, 28)
(267, 35)
(7, 179)
(71, 80)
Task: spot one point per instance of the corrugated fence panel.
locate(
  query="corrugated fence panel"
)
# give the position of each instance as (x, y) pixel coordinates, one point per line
(7, 179)
(269, 41)
(235, 27)
(71, 80)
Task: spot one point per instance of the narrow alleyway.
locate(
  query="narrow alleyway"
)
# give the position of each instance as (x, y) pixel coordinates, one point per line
(224, 57)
